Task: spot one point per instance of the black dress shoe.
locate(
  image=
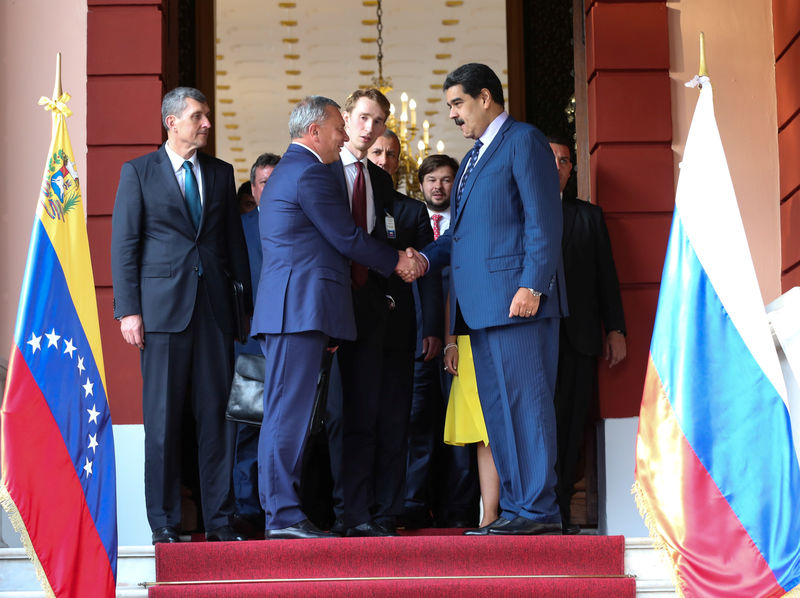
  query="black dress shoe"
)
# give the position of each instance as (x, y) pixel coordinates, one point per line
(338, 528)
(370, 529)
(570, 529)
(299, 531)
(484, 531)
(165, 535)
(523, 526)
(225, 534)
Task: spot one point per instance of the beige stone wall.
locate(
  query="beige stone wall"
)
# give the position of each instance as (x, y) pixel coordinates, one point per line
(33, 32)
(741, 64)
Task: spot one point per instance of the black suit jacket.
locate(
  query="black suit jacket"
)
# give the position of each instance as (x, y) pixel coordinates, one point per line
(156, 254)
(370, 305)
(591, 277)
(413, 229)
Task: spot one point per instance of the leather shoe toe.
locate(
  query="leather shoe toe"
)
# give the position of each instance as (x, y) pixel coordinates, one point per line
(570, 529)
(165, 535)
(370, 529)
(486, 529)
(224, 534)
(303, 530)
(523, 526)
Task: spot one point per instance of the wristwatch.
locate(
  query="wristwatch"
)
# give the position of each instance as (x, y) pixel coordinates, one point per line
(535, 293)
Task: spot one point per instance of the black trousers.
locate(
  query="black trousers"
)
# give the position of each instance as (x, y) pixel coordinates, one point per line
(195, 365)
(575, 386)
(440, 478)
(352, 425)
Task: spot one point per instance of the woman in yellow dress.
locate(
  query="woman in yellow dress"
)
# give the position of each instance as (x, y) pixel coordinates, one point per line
(464, 422)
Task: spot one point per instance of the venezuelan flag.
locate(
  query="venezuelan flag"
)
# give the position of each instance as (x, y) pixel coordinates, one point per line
(56, 443)
(717, 474)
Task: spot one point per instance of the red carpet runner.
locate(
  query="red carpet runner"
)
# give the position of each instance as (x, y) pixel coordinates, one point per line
(421, 566)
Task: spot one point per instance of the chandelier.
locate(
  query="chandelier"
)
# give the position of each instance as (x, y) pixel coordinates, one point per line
(404, 126)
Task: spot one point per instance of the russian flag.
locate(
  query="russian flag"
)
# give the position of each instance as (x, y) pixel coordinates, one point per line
(56, 444)
(717, 475)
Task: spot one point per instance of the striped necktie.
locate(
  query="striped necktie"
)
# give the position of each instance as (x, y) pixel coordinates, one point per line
(473, 158)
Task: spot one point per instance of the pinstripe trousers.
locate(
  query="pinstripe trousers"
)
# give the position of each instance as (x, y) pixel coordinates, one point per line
(516, 368)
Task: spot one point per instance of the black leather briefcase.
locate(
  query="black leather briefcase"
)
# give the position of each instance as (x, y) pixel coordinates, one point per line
(246, 399)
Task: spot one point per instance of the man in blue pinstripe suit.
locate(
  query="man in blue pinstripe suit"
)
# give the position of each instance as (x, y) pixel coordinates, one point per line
(507, 292)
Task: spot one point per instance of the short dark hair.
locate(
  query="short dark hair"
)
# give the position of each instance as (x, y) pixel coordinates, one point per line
(265, 159)
(373, 94)
(435, 162)
(473, 77)
(560, 140)
(244, 189)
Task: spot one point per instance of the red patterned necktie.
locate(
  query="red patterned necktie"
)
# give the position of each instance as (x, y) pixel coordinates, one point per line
(358, 273)
(436, 218)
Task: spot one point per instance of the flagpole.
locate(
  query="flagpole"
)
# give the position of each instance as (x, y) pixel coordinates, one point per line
(57, 90)
(703, 70)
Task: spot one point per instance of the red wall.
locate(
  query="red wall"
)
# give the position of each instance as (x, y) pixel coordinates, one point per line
(125, 62)
(786, 28)
(630, 135)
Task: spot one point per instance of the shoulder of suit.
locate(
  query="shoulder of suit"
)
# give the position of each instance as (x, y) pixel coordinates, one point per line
(584, 206)
(207, 160)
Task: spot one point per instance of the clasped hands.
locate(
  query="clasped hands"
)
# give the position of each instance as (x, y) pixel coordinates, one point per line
(410, 265)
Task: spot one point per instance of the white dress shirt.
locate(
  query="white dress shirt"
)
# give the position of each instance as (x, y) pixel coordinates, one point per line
(180, 174)
(491, 132)
(350, 172)
(444, 223)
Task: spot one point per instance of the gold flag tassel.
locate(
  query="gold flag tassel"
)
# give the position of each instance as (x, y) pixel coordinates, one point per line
(661, 547)
(702, 75)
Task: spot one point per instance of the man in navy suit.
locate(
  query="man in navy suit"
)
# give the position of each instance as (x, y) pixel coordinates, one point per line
(507, 292)
(176, 243)
(249, 514)
(304, 300)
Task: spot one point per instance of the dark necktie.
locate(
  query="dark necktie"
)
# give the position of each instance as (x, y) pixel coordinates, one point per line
(359, 208)
(192, 194)
(473, 158)
(436, 219)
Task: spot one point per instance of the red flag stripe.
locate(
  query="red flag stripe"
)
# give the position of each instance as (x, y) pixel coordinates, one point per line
(63, 531)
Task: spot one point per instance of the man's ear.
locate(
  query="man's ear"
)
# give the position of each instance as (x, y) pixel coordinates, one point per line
(170, 121)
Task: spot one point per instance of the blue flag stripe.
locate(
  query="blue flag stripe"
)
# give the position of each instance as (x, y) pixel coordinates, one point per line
(729, 411)
(72, 394)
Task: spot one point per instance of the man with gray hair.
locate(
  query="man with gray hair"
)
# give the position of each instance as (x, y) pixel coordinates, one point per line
(304, 303)
(176, 242)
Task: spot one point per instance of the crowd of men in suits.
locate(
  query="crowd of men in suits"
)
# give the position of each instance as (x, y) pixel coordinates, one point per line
(332, 276)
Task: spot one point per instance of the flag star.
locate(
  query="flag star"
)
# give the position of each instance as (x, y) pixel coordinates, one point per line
(89, 387)
(69, 347)
(52, 339)
(80, 365)
(35, 342)
(88, 467)
(93, 442)
(93, 413)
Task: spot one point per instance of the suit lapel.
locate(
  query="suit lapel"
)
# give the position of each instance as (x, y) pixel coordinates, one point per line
(378, 199)
(570, 212)
(209, 178)
(169, 183)
(476, 170)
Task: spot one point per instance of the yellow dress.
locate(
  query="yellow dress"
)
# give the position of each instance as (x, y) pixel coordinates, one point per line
(463, 422)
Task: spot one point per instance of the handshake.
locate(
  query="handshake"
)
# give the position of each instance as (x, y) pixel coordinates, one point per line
(410, 265)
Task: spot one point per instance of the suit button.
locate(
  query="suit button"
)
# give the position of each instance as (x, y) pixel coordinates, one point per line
(196, 269)
(455, 239)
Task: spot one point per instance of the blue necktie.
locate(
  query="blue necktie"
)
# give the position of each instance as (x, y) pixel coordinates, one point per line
(473, 158)
(192, 194)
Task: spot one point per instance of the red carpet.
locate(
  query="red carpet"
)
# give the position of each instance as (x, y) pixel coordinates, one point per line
(560, 566)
